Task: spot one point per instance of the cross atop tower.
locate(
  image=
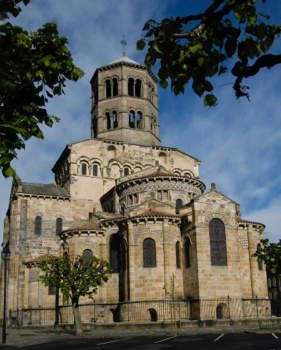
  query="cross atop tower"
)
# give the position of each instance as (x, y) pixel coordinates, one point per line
(124, 43)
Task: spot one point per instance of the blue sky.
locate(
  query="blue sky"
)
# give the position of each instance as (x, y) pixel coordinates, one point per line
(238, 142)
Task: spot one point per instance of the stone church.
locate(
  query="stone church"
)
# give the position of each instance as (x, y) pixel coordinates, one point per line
(124, 197)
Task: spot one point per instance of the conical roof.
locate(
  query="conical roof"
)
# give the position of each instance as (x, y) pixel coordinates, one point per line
(124, 59)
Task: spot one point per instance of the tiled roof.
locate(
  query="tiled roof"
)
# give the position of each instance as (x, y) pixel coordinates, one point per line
(155, 213)
(39, 259)
(87, 226)
(250, 222)
(44, 190)
(124, 59)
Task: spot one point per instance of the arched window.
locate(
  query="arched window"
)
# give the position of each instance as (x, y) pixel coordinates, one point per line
(58, 226)
(84, 169)
(178, 255)
(126, 171)
(132, 119)
(38, 225)
(139, 120)
(108, 88)
(149, 253)
(115, 119)
(187, 252)
(87, 256)
(108, 120)
(138, 88)
(217, 243)
(95, 170)
(123, 209)
(115, 86)
(178, 204)
(114, 252)
(259, 262)
(131, 87)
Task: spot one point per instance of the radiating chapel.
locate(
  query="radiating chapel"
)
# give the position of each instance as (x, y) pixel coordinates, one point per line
(124, 197)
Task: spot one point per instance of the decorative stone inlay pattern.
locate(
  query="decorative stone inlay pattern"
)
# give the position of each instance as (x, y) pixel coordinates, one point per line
(243, 239)
(138, 156)
(149, 230)
(33, 275)
(172, 236)
(256, 237)
(215, 199)
(163, 185)
(89, 245)
(206, 215)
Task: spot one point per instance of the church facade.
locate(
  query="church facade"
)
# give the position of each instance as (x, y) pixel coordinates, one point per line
(122, 196)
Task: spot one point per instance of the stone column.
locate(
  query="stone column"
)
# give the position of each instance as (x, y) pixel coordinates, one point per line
(132, 262)
(253, 261)
(167, 267)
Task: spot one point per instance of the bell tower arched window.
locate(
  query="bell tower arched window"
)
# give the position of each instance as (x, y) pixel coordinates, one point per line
(107, 88)
(132, 119)
(139, 120)
(115, 119)
(95, 126)
(217, 243)
(115, 86)
(138, 88)
(108, 120)
(131, 87)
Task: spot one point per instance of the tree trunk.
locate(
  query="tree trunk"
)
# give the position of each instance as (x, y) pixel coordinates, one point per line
(77, 319)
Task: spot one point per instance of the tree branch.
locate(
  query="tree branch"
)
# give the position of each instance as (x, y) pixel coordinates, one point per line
(240, 71)
(208, 17)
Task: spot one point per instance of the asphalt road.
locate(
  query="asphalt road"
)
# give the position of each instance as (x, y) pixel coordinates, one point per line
(268, 341)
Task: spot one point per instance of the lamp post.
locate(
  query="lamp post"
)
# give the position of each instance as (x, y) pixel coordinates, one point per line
(5, 254)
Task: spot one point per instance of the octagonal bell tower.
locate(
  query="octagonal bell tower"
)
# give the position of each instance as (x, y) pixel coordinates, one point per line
(125, 103)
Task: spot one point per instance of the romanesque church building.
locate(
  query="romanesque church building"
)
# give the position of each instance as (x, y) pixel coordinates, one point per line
(124, 197)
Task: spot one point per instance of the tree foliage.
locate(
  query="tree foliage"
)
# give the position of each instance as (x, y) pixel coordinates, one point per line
(270, 254)
(198, 47)
(34, 68)
(75, 277)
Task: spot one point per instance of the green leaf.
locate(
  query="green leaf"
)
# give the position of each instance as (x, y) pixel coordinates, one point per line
(210, 100)
(230, 47)
(163, 84)
(140, 44)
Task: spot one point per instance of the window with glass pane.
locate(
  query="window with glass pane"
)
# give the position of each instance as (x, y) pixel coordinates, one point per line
(187, 252)
(38, 225)
(149, 253)
(114, 252)
(217, 243)
(178, 256)
(58, 226)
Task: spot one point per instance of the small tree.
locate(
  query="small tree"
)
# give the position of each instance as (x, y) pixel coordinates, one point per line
(270, 254)
(75, 277)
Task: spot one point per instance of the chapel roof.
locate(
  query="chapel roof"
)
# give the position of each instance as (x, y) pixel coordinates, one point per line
(51, 190)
